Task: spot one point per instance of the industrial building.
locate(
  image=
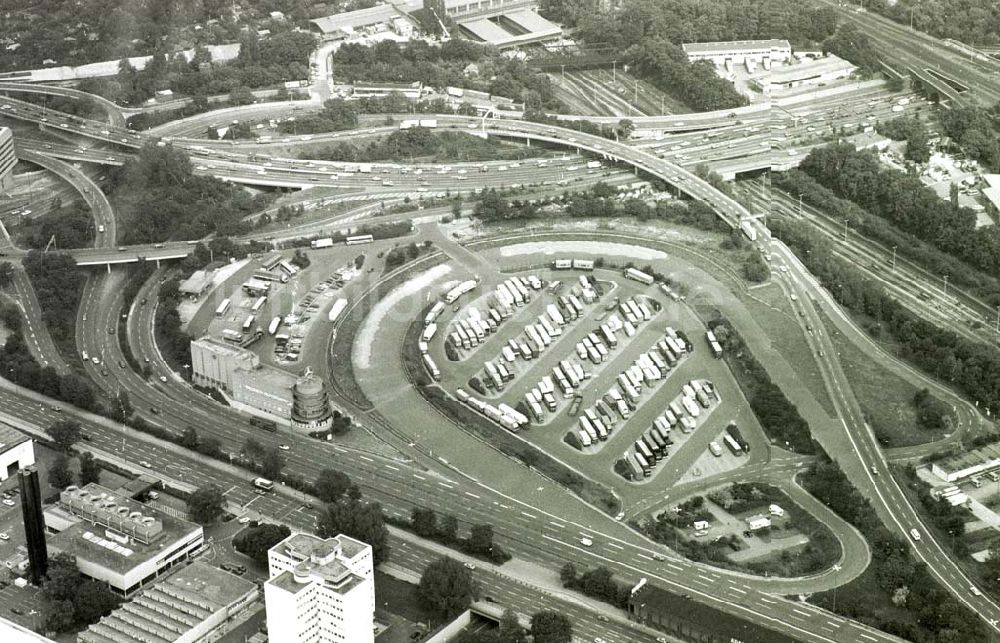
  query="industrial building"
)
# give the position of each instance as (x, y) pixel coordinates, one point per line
(320, 590)
(808, 73)
(737, 52)
(260, 389)
(247, 384)
(17, 451)
(412, 91)
(377, 19)
(7, 158)
(968, 463)
(115, 539)
(188, 605)
(513, 28)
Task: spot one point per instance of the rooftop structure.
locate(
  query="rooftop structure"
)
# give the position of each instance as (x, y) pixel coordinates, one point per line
(963, 465)
(810, 72)
(379, 18)
(118, 540)
(184, 607)
(196, 285)
(320, 590)
(17, 450)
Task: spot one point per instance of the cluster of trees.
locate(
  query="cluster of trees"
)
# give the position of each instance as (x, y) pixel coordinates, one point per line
(600, 201)
(796, 183)
(901, 580)
(972, 21)
(71, 226)
(975, 130)
(174, 343)
(254, 541)
(263, 458)
(932, 413)
(777, 415)
(19, 366)
(425, 144)
(905, 202)
(399, 255)
(443, 66)
(64, 434)
(261, 62)
(426, 524)
(58, 285)
(850, 43)
(359, 519)
(596, 583)
(71, 601)
(210, 445)
(158, 198)
(913, 131)
(972, 367)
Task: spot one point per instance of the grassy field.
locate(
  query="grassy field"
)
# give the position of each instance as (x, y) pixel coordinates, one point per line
(886, 398)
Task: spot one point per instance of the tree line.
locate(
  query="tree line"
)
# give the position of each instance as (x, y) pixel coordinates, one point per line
(913, 131)
(159, 198)
(971, 367)
(797, 183)
(905, 202)
(425, 144)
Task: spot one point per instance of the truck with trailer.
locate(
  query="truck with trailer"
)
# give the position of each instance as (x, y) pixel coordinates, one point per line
(638, 275)
(642, 462)
(633, 467)
(433, 313)
(584, 438)
(316, 244)
(583, 264)
(562, 264)
(691, 406)
(734, 431)
(747, 228)
(647, 453)
(732, 444)
(462, 288)
(429, 331)
(432, 368)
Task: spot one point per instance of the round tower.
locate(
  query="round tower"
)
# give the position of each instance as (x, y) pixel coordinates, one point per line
(310, 404)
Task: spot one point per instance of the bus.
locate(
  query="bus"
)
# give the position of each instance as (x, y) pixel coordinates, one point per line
(268, 425)
(263, 484)
(248, 323)
(257, 305)
(359, 239)
(223, 308)
(732, 444)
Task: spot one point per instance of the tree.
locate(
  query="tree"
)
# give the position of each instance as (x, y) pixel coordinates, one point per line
(446, 588)
(206, 504)
(93, 601)
(755, 269)
(210, 446)
(6, 273)
(60, 476)
(58, 616)
(122, 406)
(65, 433)
(548, 626)
(510, 628)
(625, 128)
(568, 574)
(363, 521)
(448, 528)
(271, 463)
(90, 470)
(331, 485)
(189, 438)
(424, 522)
(481, 539)
(255, 541)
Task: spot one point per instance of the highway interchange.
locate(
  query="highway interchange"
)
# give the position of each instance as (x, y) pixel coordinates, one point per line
(398, 485)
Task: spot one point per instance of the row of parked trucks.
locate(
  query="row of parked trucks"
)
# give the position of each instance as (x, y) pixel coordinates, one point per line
(504, 415)
(653, 445)
(647, 370)
(574, 264)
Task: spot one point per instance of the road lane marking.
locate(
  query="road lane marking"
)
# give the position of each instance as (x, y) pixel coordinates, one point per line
(366, 458)
(675, 567)
(445, 485)
(418, 476)
(737, 589)
(526, 514)
(557, 524)
(472, 495)
(389, 466)
(615, 545)
(798, 611)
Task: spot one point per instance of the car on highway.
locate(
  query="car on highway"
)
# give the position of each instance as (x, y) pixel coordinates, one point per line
(874, 470)
(243, 520)
(9, 502)
(163, 378)
(586, 542)
(145, 463)
(284, 447)
(972, 588)
(95, 360)
(915, 535)
(659, 557)
(4, 536)
(470, 566)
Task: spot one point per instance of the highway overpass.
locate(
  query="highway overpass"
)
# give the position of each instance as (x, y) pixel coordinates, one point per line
(132, 254)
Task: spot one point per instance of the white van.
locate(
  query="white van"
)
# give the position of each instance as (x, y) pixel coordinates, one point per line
(915, 535)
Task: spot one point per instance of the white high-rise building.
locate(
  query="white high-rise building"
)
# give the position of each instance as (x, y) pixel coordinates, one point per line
(320, 591)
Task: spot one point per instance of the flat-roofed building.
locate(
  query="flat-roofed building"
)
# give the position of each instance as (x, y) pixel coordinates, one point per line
(115, 539)
(379, 18)
(17, 451)
(7, 158)
(238, 374)
(361, 89)
(739, 51)
(196, 285)
(189, 605)
(968, 463)
(320, 590)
